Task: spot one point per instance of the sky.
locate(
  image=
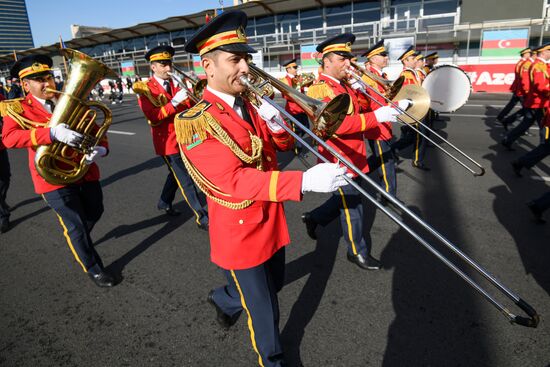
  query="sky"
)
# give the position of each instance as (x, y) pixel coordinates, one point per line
(50, 19)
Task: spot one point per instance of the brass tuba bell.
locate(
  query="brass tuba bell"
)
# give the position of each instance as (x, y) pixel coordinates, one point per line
(58, 163)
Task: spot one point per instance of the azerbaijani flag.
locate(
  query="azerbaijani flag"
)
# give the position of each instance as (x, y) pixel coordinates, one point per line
(504, 43)
(197, 65)
(307, 56)
(128, 68)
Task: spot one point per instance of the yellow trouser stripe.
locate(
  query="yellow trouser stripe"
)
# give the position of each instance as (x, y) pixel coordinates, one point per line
(250, 325)
(348, 221)
(381, 155)
(181, 188)
(547, 133)
(416, 148)
(273, 185)
(66, 234)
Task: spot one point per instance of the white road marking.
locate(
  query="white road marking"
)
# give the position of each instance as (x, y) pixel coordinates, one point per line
(541, 178)
(120, 132)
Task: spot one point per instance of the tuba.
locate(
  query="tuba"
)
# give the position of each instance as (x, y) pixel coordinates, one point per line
(58, 163)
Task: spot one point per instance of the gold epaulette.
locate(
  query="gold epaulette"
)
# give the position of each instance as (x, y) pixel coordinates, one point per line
(320, 90)
(192, 125)
(540, 67)
(142, 89)
(408, 74)
(369, 81)
(11, 106)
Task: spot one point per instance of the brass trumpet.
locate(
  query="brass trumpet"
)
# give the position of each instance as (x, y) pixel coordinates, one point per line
(56, 162)
(303, 80)
(391, 88)
(198, 85)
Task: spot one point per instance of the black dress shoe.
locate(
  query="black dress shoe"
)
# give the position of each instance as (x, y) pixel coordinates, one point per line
(222, 318)
(506, 145)
(203, 226)
(171, 211)
(516, 166)
(102, 279)
(368, 263)
(537, 213)
(4, 225)
(421, 166)
(310, 225)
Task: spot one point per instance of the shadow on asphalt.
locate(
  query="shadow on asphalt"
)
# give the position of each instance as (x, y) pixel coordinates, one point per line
(510, 209)
(152, 163)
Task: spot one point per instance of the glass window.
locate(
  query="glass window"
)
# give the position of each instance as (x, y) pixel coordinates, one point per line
(399, 2)
(116, 46)
(311, 23)
(151, 41)
(436, 22)
(163, 38)
(311, 13)
(338, 9)
(342, 19)
(440, 7)
(287, 17)
(139, 43)
(265, 20)
(265, 29)
(366, 16)
(367, 5)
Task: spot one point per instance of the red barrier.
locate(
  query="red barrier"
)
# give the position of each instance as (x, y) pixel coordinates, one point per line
(490, 77)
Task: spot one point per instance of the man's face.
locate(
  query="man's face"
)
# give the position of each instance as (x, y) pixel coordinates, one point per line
(292, 70)
(223, 70)
(38, 86)
(336, 65)
(526, 55)
(409, 62)
(161, 69)
(544, 54)
(419, 63)
(379, 60)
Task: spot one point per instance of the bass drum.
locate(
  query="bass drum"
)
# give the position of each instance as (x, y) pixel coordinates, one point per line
(449, 88)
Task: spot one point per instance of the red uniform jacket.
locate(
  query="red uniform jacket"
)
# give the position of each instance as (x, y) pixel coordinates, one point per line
(14, 136)
(539, 86)
(348, 140)
(524, 76)
(2, 146)
(244, 238)
(384, 132)
(292, 107)
(161, 117)
(411, 77)
(516, 87)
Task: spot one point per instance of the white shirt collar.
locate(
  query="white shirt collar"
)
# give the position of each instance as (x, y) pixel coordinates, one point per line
(43, 102)
(227, 98)
(161, 81)
(291, 76)
(541, 59)
(376, 68)
(333, 78)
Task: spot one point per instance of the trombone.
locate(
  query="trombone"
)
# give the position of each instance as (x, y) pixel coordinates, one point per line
(198, 85)
(532, 318)
(403, 119)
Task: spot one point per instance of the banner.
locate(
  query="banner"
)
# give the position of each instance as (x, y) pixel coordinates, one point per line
(197, 65)
(307, 56)
(258, 59)
(397, 46)
(490, 77)
(128, 68)
(504, 43)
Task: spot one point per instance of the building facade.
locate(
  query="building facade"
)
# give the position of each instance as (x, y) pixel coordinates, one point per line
(15, 30)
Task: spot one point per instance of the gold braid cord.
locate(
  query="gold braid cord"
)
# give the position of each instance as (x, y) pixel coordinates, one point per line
(221, 135)
(13, 109)
(141, 88)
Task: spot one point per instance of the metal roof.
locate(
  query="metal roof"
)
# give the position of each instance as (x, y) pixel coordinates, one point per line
(253, 8)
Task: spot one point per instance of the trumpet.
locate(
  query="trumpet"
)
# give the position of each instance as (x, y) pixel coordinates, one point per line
(390, 88)
(303, 80)
(408, 118)
(197, 84)
(532, 318)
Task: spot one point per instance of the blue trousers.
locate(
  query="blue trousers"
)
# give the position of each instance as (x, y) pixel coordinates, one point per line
(542, 151)
(179, 177)
(78, 208)
(411, 137)
(506, 110)
(254, 291)
(543, 202)
(531, 116)
(384, 164)
(5, 175)
(346, 203)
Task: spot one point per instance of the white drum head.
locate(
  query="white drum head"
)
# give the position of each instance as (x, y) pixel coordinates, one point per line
(449, 88)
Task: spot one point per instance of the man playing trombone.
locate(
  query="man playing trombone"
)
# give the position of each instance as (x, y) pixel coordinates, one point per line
(229, 148)
(160, 100)
(349, 142)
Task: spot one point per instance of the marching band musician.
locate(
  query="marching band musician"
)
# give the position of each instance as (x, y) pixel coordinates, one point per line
(349, 142)
(516, 89)
(79, 205)
(292, 79)
(430, 61)
(5, 175)
(380, 139)
(160, 100)
(408, 135)
(536, 99)
(420, 67)
(229, 148)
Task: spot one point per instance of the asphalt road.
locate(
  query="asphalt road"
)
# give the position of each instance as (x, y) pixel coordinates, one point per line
(414, 312)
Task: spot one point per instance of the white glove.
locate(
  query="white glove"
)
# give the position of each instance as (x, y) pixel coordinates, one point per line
(386, 114)
(180, 96)
(98, 152)
(404, 104)
(63, 134)
(268, 113)
(324, 177)
(355, 84)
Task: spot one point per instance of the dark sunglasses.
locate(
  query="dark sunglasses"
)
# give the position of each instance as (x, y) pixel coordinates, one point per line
(293, 67)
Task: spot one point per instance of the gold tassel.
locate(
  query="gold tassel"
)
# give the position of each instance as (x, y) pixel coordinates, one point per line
(11, 106)
(191, 130)
(320, 91)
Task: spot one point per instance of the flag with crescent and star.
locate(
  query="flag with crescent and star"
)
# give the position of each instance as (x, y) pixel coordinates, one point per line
(507, 43)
